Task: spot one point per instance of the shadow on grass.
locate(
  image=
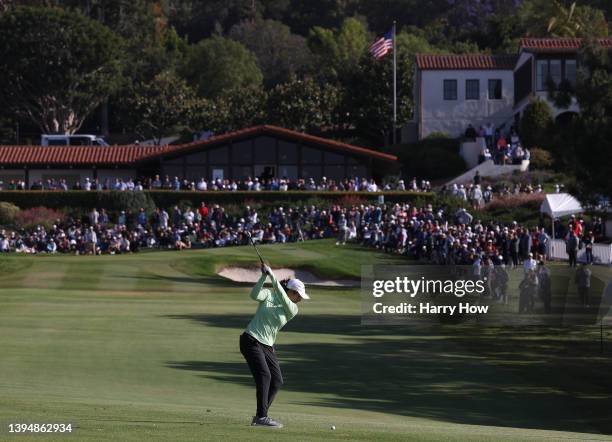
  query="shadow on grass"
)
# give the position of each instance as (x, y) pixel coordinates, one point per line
(536, 378)
(218, 281)
(324, 324)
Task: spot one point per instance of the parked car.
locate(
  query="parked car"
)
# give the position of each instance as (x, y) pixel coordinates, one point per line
(72, 140)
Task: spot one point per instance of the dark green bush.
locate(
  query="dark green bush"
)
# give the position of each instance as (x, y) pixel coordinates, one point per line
(438, 136)
(430, 158)
(525, 216)
(8, 212)
(540, 159)
(535, 123)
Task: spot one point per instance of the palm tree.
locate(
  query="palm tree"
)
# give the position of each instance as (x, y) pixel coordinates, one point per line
(550, 18)
(565, 22)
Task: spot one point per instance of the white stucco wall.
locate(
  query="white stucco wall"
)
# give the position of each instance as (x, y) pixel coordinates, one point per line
(453, 116)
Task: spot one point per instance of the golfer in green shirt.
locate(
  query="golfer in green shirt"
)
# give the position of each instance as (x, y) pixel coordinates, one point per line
(277, 306)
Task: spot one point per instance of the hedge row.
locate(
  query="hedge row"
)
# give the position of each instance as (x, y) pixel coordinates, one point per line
(430, 158)
(114, 200)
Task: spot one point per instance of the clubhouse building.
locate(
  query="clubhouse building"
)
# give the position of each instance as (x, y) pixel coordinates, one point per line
(261, 151)
(453, 91)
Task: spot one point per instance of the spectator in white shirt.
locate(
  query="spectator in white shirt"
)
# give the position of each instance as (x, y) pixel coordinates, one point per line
(51, 246)
(530, 264)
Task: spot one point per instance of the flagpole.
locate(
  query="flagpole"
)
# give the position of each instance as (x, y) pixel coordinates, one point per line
(394, 86)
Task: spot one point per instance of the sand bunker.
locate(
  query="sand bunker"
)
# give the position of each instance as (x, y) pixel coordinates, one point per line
(246, 274)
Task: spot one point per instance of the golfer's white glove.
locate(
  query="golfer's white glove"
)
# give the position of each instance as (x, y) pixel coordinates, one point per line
(266, 270)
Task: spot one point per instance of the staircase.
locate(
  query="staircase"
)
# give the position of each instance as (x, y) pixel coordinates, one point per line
(488, 169)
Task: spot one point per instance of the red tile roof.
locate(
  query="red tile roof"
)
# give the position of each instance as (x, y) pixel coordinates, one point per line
(130, 154)
(465, 62)
(78, 155)
(280, 132)
(558, 44)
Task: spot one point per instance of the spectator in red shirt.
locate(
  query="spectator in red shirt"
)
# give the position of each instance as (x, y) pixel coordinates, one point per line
(203, 210)
(578, 228)
(502, 146)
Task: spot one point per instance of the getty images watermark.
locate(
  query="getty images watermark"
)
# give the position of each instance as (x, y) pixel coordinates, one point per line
(404, 285)
(396, 295)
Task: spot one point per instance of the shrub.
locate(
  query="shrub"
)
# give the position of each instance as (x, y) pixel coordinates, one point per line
(534, 177)
(432, 163)
(531, 201)
(438, 136)
(535, 123)
(116, 200)
(38, 216)
(522, 215)
(351, 200)
(430, 158)
(540, 159)
(8, 212)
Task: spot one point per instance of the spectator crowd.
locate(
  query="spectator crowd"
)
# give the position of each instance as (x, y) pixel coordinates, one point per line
(479, 195)
(427, 234)
(501, 147)
(355, 184)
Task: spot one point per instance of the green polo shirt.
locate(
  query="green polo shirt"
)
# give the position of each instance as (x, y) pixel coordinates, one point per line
(274, 311)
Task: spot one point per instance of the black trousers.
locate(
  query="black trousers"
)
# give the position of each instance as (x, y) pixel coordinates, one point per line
(265, 369)
(589, 256)
(572, 258)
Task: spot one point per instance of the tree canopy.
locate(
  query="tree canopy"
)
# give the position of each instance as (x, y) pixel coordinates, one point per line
(280, 54)
(165, 103)
(216, 64)
(56, 67)
(238, 56)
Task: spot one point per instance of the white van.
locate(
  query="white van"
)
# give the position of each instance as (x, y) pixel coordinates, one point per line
(72, 140)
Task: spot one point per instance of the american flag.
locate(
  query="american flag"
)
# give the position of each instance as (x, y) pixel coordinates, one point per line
(382, 46)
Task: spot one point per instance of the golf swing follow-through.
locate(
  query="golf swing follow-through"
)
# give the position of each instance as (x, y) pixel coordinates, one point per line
(277, 306)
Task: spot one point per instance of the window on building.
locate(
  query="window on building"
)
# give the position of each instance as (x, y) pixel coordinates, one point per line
(311, 156)
(196, 172)
(333, 158)
(357, 170)
(450, 89)
(315, 172)
(555, 71)
(541, 75)
(173, 171)
(334, 172)
(287, 152)
(472, 89)
(495, 89)
(219, 156)
(197, 158)
(241, 172)
(242, 152)
(570, 71)
(288, 171)
(265, 150)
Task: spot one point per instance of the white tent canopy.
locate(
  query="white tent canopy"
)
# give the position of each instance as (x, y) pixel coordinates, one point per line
(560, 204)
(556, 205)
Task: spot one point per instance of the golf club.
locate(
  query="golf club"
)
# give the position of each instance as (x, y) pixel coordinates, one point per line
(248, 234)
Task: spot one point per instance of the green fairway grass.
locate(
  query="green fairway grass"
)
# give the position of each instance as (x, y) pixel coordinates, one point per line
(145, 347)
